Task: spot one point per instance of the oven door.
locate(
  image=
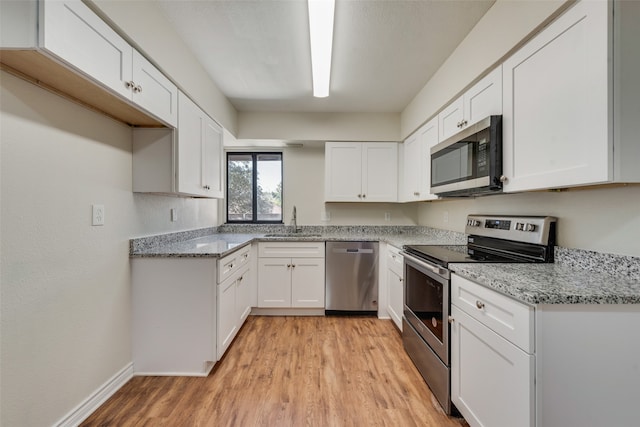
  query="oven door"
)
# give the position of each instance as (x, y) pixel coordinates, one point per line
(426, 305)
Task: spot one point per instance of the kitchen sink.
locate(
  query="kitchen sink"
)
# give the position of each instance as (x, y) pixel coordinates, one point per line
(301, 235)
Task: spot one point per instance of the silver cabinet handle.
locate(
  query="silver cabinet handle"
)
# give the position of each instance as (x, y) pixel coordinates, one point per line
(479, 304)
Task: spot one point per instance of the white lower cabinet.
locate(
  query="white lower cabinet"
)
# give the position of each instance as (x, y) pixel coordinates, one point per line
(235, 292)
(549, 365)
(291, 275)
(174, 319)
(395, 285)
(492, 379)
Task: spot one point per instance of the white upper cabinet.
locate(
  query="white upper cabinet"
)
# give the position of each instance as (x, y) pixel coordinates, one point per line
(569, 98)
(416, 170)
(66, 46)
(187, 161)
(361, 172)
(481, 100)
(73, 33)
(153, 91)
(199, 152)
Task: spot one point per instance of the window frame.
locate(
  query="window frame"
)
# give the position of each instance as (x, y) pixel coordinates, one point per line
(254, 196)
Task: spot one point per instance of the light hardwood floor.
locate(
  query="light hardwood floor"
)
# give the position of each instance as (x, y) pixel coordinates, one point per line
(290, 371)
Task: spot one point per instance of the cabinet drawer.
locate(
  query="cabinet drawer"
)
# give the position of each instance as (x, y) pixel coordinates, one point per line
(395, 260)
(291, 249)
(505, 316)
(233, 262)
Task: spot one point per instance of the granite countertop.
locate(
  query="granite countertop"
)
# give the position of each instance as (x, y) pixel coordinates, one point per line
(576, 277)
(553, 283)
(213, 244)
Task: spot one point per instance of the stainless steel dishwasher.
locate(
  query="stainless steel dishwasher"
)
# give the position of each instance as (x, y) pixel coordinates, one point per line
(351, 277)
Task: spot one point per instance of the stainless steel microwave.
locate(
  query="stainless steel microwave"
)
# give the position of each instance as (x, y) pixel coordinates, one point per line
(470, 162)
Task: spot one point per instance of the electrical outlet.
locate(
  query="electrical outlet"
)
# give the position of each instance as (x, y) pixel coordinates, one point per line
(97, 217)
(174, 215)
(387, 216)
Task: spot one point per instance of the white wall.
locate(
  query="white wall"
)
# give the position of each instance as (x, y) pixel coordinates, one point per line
(602, 220)
(65, 286)
(147, 28)
(501, 29)
(319, 126)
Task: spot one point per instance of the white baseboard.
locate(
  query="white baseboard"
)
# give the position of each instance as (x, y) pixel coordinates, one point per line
(97, 398)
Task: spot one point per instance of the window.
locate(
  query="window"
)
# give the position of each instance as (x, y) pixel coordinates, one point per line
(254, 187)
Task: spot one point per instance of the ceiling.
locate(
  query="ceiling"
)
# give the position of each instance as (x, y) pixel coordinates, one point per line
(384, 51)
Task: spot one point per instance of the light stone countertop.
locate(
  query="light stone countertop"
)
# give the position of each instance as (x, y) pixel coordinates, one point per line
(576, 277)
(552, 283)
(216, 245)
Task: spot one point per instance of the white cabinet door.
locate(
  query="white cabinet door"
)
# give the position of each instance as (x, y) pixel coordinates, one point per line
(380, 172)
(450, 118)
(307, 282)
(212, 155)
(189, 147)
(492, 380)
(428, 137)
(227, 314)
(484, 98)
(73, 33)
(481, 100)
(416, 169)
(199, 152)
(274, 289)
(153, 91)
(412, 156)
(343, 172)
(395, 298)
(555, 122)
(244, 296)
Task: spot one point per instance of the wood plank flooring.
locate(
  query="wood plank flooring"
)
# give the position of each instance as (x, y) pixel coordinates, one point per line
(290, 371)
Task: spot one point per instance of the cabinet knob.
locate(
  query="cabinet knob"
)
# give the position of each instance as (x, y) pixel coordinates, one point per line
(137, 89)
(479, 304)
(288, 265)
(206, 187)
(359, 196)
(240, 278)
(401, 279)
(129, 84)
(451, 319)
(503, 178)
(364, 196)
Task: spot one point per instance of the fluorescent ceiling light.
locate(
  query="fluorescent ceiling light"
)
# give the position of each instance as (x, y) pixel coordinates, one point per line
(321, 34)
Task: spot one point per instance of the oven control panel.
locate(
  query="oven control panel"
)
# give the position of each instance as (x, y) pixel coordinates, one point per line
(529, 229)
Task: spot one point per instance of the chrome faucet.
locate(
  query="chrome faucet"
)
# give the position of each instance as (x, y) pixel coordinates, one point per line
(294, 220)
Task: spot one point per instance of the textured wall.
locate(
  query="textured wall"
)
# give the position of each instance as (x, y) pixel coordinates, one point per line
(65, 306)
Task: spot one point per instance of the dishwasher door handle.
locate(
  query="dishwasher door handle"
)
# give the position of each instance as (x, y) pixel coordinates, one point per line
(352, 251)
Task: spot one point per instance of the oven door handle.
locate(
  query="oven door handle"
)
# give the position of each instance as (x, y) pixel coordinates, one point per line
(442, 272)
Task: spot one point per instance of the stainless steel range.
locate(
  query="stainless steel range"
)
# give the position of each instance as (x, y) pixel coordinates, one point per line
(427, 285)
